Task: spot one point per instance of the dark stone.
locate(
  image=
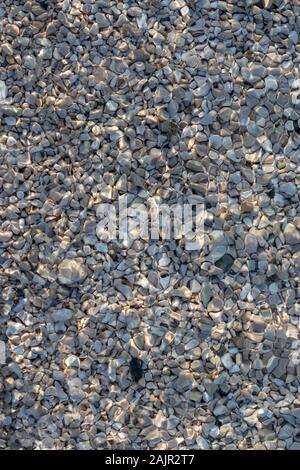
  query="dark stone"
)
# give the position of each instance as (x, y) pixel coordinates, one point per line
(136, 369)
(271, 193)
(44, 3)
(225, 263)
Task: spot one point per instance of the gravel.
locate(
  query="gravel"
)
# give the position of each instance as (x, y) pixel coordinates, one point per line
(141, 343)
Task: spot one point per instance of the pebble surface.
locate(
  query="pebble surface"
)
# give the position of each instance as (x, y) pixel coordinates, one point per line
(145, 345)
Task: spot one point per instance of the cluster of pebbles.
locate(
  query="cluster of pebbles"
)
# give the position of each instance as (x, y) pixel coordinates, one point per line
(146, 345)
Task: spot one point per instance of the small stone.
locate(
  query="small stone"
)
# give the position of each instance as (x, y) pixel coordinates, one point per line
(251, 420)
(75, 389)
(5, 236)
(149, 341)
(184, 381)
(202, 443)
(288, 189)
(267, 3)
(220, 410)
(3, 91)
(251, 243)
(280, 369)
(227, 361)
(14, 328)
(10, 121)
(271, 83)
(124, 289)
(8, 110)
(217, 252)
(291, 234)
(134, 11)
(294, 37)
(72, 361)
(7, 49)
(259, 325)
(225, 263)
(136, 369)
(2, 353)
(215, 305)
(295, 446)
(206, 293)
(296, 413)
(216, 141)
(62, 315)
(111, 106)
(29, 62)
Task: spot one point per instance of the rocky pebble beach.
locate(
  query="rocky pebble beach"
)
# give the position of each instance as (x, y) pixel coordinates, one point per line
(107, 344)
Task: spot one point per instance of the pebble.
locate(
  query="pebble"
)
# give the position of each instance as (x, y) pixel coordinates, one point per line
(72, 271)
(5, 236)
(72, 361)
(3, 91)
(225, 263)
(2, 353)
(288, 189)
(251, 243)
(294, 37)
(227, 361)
(184, 381)
(158, 344)
(271, 83)
(291, 234)
(8, 110)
